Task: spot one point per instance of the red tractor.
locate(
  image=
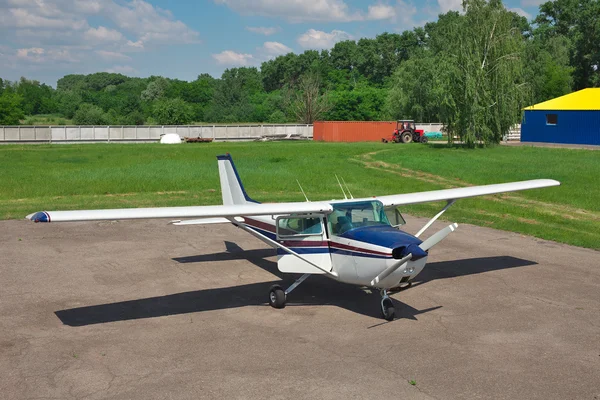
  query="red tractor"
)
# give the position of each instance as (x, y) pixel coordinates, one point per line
(405, 132)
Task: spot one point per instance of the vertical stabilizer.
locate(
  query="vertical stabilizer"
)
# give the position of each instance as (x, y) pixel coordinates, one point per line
(232, 189)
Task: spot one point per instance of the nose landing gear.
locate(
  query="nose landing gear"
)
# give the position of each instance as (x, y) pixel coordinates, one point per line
(387, 307)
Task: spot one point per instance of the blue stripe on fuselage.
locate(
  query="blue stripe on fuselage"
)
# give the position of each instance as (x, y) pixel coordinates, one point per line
(347, 252)
(304, 250)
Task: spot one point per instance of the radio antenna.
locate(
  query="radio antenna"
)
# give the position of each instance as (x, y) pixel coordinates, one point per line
(347, 188)
(341, 187)
(302, 190)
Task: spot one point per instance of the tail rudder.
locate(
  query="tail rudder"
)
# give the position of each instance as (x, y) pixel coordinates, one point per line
(232, 189)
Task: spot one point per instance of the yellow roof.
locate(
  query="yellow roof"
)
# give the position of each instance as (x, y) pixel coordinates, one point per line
(586, 99)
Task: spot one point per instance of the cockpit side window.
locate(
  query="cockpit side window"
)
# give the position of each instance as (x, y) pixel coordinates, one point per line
(299, 226)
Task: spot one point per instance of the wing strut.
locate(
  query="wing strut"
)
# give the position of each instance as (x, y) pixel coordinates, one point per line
(279, 245)
(432, 220)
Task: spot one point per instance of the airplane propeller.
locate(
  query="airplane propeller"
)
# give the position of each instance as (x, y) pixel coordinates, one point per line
(438, 237)
(426, 245)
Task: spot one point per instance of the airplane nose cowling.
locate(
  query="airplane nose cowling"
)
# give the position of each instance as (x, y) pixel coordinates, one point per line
(414, 249)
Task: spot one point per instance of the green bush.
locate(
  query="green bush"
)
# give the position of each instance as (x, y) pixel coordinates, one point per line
(172, 112)
(89, 114)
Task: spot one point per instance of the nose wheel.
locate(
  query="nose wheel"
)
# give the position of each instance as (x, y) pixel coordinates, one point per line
(387, 307)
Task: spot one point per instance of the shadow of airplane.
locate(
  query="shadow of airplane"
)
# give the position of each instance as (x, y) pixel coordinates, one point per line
(320, 291)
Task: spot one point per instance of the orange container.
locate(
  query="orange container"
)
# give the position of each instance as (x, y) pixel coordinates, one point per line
(353, 131)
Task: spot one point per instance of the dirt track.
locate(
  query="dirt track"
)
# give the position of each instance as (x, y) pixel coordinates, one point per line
(145, 310)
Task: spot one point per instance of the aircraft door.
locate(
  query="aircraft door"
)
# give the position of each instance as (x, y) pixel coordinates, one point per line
(305, 235)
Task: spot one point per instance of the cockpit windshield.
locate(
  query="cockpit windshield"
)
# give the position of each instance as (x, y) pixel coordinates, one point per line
(346, 216)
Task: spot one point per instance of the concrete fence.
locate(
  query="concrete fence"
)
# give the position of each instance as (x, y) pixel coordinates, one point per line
(139, 134)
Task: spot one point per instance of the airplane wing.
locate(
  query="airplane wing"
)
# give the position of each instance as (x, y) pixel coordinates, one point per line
(220, 211)
(464, 192)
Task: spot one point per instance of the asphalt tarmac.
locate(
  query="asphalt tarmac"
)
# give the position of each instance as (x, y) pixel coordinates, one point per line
(147, 310)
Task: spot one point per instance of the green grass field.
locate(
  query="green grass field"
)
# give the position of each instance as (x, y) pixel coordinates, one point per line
(47, 177)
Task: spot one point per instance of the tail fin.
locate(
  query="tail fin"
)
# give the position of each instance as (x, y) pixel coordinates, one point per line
(231, 186)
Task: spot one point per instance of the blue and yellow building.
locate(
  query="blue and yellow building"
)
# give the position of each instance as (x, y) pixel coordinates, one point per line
(573, 118)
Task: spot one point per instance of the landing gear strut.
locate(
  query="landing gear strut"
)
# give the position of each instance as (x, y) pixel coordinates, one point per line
(278, 297)
(387, 307)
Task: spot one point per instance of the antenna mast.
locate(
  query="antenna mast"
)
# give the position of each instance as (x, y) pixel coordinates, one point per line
(302, 190)
(341, 187)
(347, 188)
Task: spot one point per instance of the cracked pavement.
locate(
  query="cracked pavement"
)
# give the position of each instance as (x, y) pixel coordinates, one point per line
(147, 310)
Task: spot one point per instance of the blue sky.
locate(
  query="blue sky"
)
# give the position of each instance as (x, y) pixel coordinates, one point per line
(47, 39)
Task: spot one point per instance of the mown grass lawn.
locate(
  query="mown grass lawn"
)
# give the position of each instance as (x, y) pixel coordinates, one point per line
(47, 177)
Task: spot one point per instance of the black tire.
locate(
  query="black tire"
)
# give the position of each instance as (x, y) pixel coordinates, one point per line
(424, 139)
(387, 309)
(406, 137)
(277, 297)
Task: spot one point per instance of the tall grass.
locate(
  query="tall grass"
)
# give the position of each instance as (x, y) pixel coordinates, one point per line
(36, 177)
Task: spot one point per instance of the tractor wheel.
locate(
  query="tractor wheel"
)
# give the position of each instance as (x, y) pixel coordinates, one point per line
(406, 137)
(424, 139)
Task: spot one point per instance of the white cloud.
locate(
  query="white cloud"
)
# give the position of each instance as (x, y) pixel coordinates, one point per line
(450, 5)
(231, 58)
(103, 34)
(140, 20)
(263, 30)
(148, 23)
(40, 55)
(314, 39)
(532, 3)
(138, 45)
(296, 10)
(40, 18)
(381, 11)
(267, 51)
(521, 12)
(122, 69)
(112, 55)
(33, 54)
(406, 13)
(275, 48)
(43, 35)
(88, 6)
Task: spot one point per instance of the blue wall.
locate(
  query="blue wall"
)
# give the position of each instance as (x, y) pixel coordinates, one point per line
(573, 127)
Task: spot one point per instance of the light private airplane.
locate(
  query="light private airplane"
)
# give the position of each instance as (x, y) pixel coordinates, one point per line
(355, 241)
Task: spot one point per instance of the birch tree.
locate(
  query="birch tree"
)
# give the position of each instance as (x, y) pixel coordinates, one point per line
(483, 73)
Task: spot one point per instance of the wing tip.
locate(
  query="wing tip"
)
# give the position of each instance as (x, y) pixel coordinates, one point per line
(40, 216)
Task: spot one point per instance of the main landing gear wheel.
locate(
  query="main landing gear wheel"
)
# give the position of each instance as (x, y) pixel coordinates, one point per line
(387, 309)
(277, 296)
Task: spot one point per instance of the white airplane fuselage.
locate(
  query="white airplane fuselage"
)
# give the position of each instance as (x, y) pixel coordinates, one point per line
(349, 259)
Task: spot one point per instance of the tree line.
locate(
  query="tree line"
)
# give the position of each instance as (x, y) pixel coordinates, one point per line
(474, 71)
